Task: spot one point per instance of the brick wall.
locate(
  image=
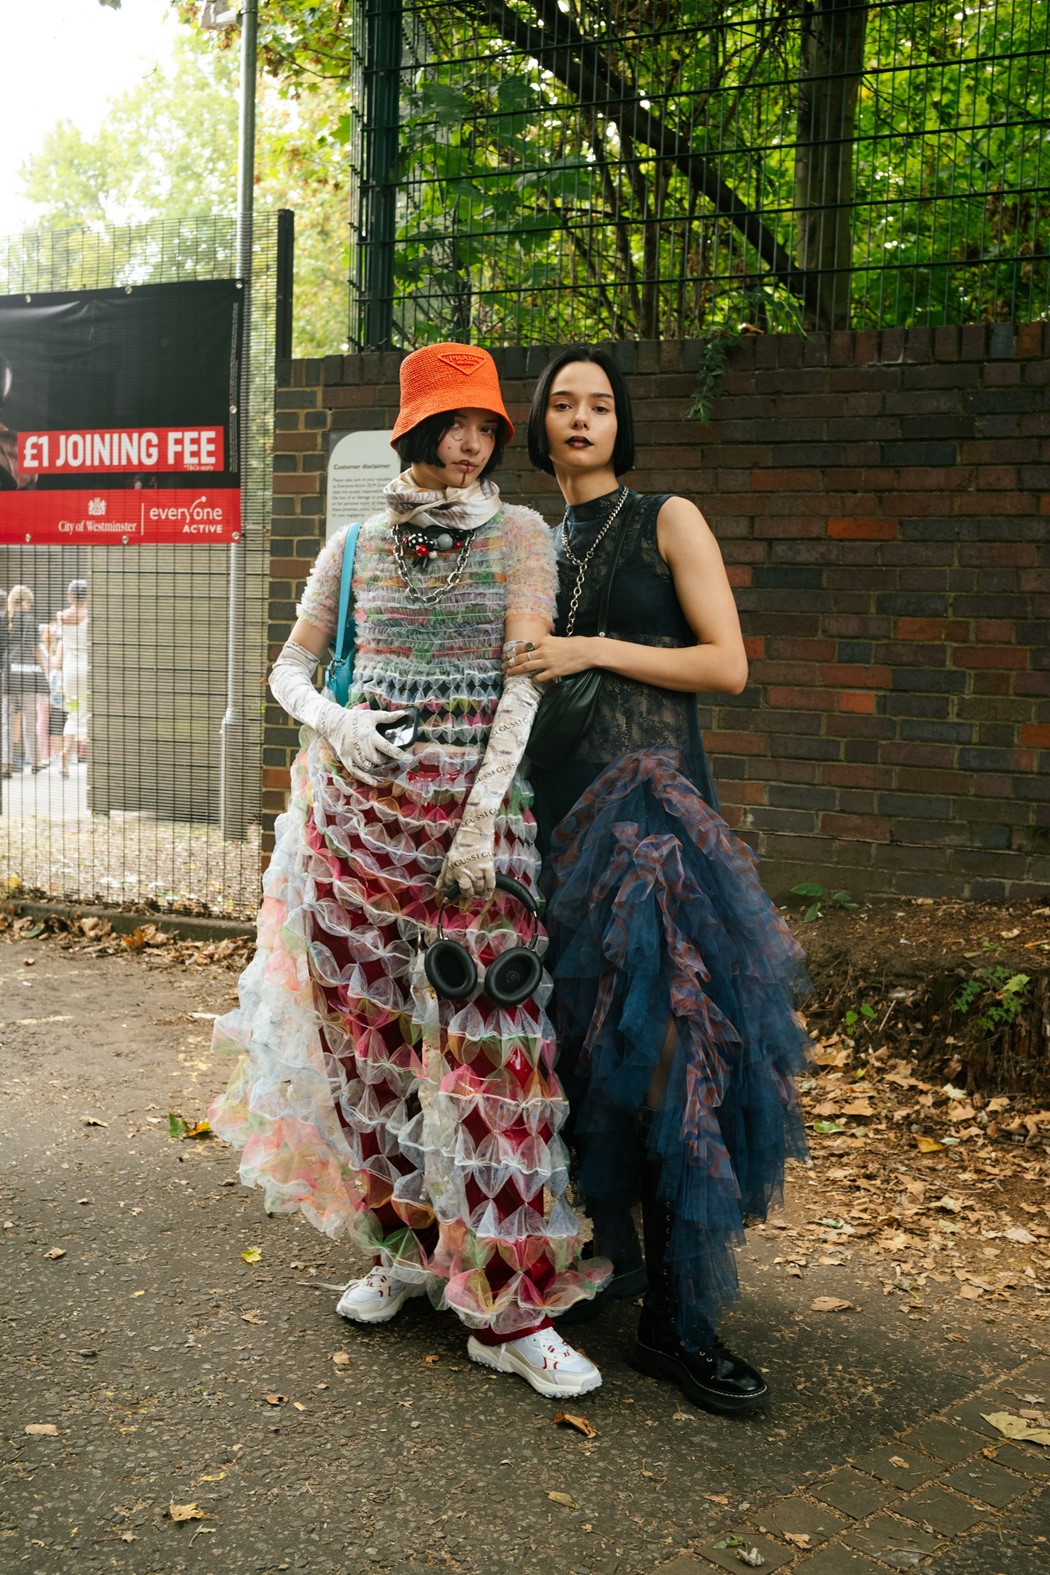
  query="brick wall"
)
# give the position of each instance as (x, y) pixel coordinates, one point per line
(881, 500)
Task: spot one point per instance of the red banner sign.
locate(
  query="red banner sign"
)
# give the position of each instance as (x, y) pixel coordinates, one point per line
(153, 516)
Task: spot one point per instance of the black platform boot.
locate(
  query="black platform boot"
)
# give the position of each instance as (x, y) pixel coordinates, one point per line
(712, 1378)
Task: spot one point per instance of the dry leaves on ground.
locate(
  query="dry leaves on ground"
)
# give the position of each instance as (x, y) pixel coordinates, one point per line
(580, 1423)
(959, 1205)
(97, 937)
(177, 1512)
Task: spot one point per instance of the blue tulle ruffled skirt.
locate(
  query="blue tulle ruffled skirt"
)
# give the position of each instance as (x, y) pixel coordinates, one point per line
(656, 915)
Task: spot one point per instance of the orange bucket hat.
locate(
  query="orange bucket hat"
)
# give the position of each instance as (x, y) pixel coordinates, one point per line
(448, 377)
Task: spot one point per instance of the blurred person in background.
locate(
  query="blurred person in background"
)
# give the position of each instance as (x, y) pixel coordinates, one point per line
(73, 665)
(25, 669)
(51, 720)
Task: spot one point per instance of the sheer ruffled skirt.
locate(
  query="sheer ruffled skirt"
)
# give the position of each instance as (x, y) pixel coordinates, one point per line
(657, 915)
(428, 1130)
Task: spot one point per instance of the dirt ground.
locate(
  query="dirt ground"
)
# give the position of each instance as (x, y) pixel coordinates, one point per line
(181, 1351)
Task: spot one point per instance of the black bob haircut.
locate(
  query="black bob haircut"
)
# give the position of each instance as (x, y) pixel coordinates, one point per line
(419, 445)
(623, 449)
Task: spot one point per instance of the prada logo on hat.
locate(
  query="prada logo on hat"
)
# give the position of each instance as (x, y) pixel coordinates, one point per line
(462, 361)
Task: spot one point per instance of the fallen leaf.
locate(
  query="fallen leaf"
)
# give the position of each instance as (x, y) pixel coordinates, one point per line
(93, 1121)
(563, 1498)
(1018, 1233)
(177, 1127)
(55, 1252)
(251, 1255)
(428, 1361)
(928, 1145)
(826, 1128)
(252, 1316)
(342, 1359)
(199, 1129)
(829, 1304)
(1016, 1427)
(899, 1461)
(276, 1399)
(179, 1512)
(42, 1430)
(297, 1405)
(798, 1539)
(580, 1423)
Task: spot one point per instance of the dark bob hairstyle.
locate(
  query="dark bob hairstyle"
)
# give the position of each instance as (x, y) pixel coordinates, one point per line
(419, 445)
(623, 449)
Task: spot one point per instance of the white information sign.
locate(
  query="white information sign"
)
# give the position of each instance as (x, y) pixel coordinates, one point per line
(359, 467)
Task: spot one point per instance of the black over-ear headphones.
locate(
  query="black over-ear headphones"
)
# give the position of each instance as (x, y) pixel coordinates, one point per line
(509, 980)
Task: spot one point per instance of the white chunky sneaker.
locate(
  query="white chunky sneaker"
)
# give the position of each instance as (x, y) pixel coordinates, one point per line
(376, 1298)
(543, 1360)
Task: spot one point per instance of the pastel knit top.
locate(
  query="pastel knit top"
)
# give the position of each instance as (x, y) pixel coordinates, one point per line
(445, 660)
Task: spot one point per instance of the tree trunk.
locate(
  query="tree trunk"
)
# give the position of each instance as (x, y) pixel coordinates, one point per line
(832, 62)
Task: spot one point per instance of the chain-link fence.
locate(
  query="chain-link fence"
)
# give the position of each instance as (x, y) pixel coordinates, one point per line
(155, 798)
(543, 170)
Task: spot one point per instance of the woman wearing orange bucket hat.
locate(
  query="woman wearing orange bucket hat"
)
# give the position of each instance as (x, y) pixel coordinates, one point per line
(424, 1127)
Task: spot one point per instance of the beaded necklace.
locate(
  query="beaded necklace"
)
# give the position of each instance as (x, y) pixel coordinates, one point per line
(422, 553)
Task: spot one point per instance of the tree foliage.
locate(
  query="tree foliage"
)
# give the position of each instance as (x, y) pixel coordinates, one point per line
(610, 168)
(665, 167)
(168, 150)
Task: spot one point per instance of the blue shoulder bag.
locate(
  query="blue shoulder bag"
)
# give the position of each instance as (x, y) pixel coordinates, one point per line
(340, 670)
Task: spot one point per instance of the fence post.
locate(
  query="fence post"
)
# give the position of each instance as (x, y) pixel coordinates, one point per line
(382, 105)
(233, 820)
(285, 286)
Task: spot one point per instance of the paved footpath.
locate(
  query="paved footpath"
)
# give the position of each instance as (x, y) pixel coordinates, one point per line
(176, 1373)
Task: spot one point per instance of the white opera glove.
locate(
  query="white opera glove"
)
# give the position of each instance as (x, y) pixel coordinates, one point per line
(470, 861)
(353, 735)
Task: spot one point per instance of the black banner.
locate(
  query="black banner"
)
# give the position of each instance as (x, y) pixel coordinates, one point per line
(119, 419)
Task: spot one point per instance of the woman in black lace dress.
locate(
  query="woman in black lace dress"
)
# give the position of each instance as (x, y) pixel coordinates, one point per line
(674, 972)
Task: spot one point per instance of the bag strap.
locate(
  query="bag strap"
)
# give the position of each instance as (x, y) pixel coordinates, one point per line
(346, 627)
(618, 541)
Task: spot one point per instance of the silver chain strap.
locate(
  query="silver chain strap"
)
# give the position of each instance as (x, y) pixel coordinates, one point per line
(581, 563)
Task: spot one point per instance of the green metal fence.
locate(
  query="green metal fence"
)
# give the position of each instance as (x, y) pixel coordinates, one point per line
(539, 170)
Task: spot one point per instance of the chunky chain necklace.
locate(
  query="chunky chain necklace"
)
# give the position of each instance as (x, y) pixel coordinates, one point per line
(581, 563)
(419, 548)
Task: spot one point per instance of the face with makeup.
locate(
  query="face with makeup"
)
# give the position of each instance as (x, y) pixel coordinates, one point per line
(463, 451)
(580, 421)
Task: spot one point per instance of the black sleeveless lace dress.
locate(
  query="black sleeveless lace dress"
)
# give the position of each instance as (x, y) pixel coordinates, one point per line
(656, 913)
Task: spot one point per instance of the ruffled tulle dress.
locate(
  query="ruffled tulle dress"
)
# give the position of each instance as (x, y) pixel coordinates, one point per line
(656, 912)
(425, 1130)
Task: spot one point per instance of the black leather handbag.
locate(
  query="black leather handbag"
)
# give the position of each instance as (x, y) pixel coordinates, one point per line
(508, 981)
(566, 709)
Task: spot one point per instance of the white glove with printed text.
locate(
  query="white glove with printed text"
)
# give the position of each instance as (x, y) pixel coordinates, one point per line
(470, 861)
(354, 736)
